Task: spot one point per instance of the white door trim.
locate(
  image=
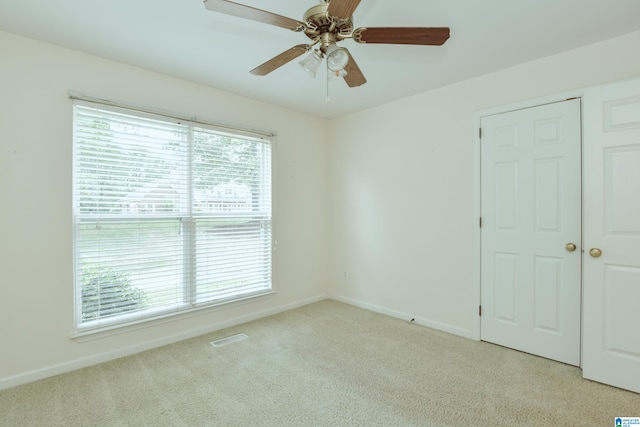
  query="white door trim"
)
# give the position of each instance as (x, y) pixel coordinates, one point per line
(475, 220)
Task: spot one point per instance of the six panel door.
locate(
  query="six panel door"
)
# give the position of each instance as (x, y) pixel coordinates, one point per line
(612, 235)
(531, 230)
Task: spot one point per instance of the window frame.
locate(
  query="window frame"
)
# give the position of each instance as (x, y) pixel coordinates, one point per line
(188, 221)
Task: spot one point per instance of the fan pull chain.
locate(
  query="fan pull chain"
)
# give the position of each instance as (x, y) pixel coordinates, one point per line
(328, 71)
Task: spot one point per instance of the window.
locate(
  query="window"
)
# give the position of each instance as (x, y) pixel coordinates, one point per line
(169, 216)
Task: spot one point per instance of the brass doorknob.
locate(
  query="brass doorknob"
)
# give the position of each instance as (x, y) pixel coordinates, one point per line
(570, 247)
(595, 252)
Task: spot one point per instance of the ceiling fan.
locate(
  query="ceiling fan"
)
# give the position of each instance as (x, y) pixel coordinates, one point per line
(327, 24)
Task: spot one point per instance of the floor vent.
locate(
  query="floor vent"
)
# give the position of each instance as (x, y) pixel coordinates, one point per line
(229, 340)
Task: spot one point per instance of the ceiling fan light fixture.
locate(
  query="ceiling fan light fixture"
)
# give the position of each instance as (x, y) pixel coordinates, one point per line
(337, 58)
(311, 63)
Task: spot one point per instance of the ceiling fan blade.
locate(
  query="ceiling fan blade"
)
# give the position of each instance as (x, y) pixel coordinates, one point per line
(354, 77)
(248, 12)
(434, 36)
(343, 8)
(280, 60)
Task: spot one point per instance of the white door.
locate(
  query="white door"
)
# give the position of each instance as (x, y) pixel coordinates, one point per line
(531, 215)
(611, 334)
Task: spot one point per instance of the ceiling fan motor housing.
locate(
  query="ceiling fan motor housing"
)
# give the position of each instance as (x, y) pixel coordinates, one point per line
(320, 24)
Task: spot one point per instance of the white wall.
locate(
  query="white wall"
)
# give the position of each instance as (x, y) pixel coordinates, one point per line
(397, 180)
(401, 186)
(36, 312)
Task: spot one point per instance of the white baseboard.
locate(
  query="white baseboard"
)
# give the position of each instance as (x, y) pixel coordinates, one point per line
(73, 365)
(84, 362)
(404, 316)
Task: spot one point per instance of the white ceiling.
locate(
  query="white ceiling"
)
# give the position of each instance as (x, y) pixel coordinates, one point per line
(183, 39)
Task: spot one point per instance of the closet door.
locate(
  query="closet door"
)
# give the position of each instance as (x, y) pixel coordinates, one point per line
(530, 206)
(611, 259)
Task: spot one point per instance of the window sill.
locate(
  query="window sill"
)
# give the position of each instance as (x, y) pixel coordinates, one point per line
(84, 335)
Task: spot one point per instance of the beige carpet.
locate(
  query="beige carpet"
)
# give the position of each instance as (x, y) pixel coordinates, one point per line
(324, 364)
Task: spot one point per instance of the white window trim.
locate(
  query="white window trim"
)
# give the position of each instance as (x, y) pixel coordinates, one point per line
(109, 326)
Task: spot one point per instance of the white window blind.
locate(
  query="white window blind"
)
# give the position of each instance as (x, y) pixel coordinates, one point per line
(169, 216)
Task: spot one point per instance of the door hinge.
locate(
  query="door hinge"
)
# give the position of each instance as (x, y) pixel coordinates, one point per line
(480, 133)
(479, 310)
(480, 222)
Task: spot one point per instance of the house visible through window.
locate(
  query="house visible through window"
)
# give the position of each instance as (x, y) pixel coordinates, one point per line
(169, 216)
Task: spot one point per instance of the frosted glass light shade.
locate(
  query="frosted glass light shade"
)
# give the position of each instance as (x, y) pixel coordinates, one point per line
(337, 75)
(337, 58)
(311, 63)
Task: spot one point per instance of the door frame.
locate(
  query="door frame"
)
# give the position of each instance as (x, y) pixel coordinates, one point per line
(475, 217)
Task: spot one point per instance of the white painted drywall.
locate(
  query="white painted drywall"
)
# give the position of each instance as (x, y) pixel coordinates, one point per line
(401, 185)
(36, 298)
(391, 187)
